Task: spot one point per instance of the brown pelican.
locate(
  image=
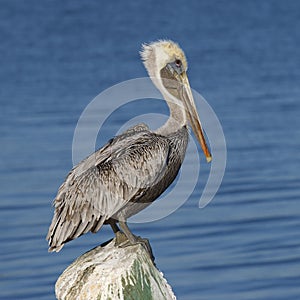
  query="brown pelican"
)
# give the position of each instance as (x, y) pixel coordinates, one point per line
(134, 168)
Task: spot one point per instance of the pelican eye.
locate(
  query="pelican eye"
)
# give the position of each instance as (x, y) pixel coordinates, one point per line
(176, 66)
(178, 63)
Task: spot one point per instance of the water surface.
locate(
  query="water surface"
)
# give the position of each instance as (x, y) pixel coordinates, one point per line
(243, 58)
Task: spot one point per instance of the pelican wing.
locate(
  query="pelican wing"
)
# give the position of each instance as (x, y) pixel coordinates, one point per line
(103, 184)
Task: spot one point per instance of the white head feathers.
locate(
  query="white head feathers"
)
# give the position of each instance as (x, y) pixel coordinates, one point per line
(158, 54)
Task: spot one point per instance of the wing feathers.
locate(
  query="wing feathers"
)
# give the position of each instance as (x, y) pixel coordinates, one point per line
(103, 184)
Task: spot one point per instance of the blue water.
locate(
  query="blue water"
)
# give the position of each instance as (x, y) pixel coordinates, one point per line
(244, 58)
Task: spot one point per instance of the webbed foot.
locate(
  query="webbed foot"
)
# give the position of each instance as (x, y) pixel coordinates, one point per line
(126, 238)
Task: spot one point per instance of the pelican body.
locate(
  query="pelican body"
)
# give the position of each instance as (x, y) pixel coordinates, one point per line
(135, 168)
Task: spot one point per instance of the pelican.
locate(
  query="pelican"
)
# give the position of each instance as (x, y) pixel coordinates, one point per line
(134, 168)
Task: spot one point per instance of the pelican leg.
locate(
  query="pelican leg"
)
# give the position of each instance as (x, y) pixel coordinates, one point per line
(114, 227)
(121, 238)
(133, 239)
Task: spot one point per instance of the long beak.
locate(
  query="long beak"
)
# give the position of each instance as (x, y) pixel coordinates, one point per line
(193, 116)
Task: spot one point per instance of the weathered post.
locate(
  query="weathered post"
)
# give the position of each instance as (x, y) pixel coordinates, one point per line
(110, 272)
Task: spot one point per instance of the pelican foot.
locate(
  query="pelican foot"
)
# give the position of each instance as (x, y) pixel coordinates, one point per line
(133, 239)
(122, 241)
(146, 244)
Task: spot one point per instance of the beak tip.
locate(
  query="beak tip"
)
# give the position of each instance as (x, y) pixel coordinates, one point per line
(208, 158)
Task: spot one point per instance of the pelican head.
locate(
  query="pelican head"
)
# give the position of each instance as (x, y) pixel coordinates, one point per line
(167, 67)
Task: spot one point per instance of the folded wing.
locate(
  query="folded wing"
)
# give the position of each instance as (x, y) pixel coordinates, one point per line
(103, 184)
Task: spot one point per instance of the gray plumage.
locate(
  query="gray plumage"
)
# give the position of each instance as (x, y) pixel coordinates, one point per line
(132, 169)
(118, 181)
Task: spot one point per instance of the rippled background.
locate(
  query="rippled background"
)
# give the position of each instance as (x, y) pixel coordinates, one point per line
(244, 58)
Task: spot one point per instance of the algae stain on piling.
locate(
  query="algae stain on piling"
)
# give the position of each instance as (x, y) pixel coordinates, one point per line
(138, 286)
